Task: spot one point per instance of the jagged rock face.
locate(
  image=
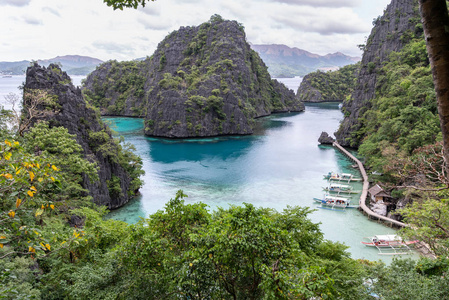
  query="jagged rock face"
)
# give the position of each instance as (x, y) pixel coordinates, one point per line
(82, 120)
(328, 86)
(307, 92)
(326, 139)
(390, 33)
(201, 81)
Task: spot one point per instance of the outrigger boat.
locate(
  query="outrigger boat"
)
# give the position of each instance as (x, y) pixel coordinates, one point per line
(341, 177)
(340, 188)
(335, 202)
(389, 244)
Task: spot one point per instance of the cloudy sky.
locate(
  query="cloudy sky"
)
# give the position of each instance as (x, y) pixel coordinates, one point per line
(42, 29)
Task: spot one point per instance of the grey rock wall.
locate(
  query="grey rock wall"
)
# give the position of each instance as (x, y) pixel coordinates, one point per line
(390, 33)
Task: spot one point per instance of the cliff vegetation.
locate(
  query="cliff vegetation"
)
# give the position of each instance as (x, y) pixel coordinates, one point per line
(201, 81)
(328, 86)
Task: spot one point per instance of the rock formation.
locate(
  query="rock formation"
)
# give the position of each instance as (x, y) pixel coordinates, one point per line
(328, 86)
(201, 81)
(391, 32)
(95, 138)
(326, 139)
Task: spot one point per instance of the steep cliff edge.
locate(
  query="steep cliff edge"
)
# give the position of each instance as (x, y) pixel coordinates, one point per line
(118, 173)
(328, 86)
(201, 81)
(390, 33)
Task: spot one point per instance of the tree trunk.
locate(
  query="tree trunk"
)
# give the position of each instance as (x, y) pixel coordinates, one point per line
(435, 21)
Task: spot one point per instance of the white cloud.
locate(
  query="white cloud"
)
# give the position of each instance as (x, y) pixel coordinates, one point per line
(322, 21)
(51, 10)
(322, 3)
(32, 20)
(15, 2)
(44, 29)
(112, 47)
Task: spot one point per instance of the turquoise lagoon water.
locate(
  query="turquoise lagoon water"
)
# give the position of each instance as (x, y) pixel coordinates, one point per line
(282, 164)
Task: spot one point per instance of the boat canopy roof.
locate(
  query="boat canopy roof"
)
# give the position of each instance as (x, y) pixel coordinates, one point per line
(346, 174)
(336, 185)
(335, 198)
(388, 237)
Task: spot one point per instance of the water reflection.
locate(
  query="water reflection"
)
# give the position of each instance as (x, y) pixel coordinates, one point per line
(283, 166)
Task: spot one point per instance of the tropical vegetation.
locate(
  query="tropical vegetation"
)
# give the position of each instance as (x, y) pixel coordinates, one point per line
(186, 251)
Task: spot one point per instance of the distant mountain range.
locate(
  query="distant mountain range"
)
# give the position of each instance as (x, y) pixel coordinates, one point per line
(72, 64)
(283, 61)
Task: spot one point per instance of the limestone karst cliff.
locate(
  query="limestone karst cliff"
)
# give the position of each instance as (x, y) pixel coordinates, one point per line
(118, 178)
(328, 86)
(201, 81)
(391, 32)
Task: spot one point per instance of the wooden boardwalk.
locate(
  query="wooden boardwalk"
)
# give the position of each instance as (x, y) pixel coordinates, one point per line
(362, 201)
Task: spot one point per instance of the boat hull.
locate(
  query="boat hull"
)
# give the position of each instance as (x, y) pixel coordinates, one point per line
(337, 191)
(389, 244)
(332, 178)
(333, 205)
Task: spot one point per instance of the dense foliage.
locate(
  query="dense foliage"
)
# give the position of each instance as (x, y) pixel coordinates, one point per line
(242, 252)
(329, 86)
(120, 4)
(200, 81)
(404, 115)
(125, 79)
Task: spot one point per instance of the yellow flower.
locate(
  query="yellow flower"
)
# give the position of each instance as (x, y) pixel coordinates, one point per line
(54, 168)
(12, 213)
(7, 175)
(52, 206)
(7, 155)
(18, 201)
(7, 143)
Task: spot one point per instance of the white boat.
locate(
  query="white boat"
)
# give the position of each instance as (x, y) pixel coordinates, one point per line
(334, 202)
(340, 188)
(389, 244)
(341, 177)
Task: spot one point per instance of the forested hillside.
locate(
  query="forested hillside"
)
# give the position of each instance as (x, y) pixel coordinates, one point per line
(328, 86)
(201, 81)
(56, 244)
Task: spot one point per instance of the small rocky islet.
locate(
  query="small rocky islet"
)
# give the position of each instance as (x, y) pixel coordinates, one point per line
(201, 81)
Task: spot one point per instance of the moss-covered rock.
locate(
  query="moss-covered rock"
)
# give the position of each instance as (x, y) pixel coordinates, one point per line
(201, 81)
(118, 169)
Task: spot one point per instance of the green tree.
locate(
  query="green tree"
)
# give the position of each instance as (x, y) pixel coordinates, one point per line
(120, 4)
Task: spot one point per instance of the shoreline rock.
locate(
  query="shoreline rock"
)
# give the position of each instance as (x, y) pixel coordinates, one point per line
(325, 139)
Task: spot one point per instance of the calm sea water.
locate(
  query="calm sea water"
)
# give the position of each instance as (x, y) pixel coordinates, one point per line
(282, 164)
(291, 83)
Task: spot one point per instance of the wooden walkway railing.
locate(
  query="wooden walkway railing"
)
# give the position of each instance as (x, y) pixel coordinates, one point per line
(362, 201)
